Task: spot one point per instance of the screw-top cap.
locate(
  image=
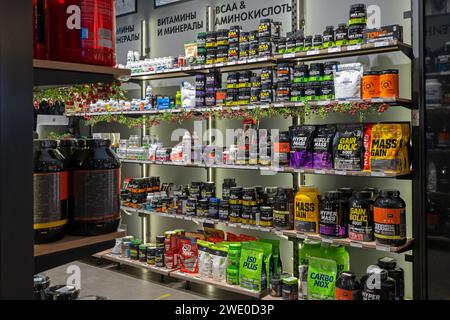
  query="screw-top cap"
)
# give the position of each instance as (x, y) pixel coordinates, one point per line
(387, 263)
(45, 144)
(333, 195)
(358, 6)
(98, 143)
(348, 275)
(67, 143)
(342, 25)
(346, 192)
(390, 193)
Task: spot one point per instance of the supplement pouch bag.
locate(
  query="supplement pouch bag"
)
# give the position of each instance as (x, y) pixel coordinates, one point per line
(389, 149)
(277, 264)
(323, 147)
(252, 268)
(268, 262)
(188, 255)
(219, 262)
(204, 258)
(321, 279)
(347, 81)
(348, 147)
(187, 95)
(340, 255)
(302, 138)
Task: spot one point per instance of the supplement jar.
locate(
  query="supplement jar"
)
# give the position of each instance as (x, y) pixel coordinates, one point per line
(267, 93)
(203, 208)
(317, 42)
(224, 210)
(281, 210)
(51, 192)
(308, 43)
(348, 287)
(276, 286)
(233, 52)
(390, 218)
(301, 73)
(341, 35)
(396, 273)
(234, 34)
(290, 288)
(222, 37)
(327, 91)
(282, 148)
(297, 92)
(328, 37)
(389, 84)
(358, 14)
(67, 147)
(265, 28)
(267, 75)
(356, 34)
(316, 72)
(371, 85)
(248, 202)
(333, 221)
(284, 72)
(328, 70)
(281, 45)
(360, 224)
(235, 204)
(283, 92)
(265, 47)
(306, 209)
(385, 290)
(214, 204)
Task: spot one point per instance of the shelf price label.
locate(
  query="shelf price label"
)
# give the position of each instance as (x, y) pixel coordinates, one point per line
(289, 55)
(301, 236)
(251, 60)
(356, 244)
(327, 240)
(354, 47)
(232, 225)
(312, 52)
(219, 65)
(383, 248)
(334, 50)
(381, 44)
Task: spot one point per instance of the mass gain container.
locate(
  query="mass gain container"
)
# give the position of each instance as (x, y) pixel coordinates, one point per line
(390, 218)
(333, 221)
(50, 185)
(306, 210)
(95, 189)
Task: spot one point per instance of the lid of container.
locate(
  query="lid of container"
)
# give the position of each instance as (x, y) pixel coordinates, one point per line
(387, 263)
(290, 281)
(358, 6)
(390, 193)
(81, 143)
(334, 195)
(232, 269)
(318, 36)
(390, 71)
(347, 192)
(371, 73)
(342, 25)
(98, 143)
(45, 144)
(265, 20)
(348, 275)
(331, 63)
(235, 246)
(214, 200)
(67, 143)
(271, 189)
(236, 27)
(63, 292)
(203, 201)
(312, 243)
(308, 189)
(142, 246)
(329, 28)
(224, 203)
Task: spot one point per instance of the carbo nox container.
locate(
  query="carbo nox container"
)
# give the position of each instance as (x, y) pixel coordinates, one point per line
(50, 185)
(95, 189)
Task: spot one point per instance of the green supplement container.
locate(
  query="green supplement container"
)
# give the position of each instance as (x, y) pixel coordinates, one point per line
(233, 275)
(234, 254)
(290, 288)
(340, 255)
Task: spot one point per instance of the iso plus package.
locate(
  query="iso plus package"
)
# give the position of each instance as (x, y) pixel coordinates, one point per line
(323, 147)
(347, 81)
(389, 148)
(348, 147)
(302, 138)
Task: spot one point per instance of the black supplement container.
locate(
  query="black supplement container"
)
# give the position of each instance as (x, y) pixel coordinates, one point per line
(95, 201)
(51, 195)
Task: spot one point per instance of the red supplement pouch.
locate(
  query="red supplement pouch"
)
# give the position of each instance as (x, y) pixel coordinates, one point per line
(188, 255)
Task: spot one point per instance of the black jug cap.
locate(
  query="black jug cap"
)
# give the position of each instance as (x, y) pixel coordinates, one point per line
(98, 143)
(387, 263)
(67, 143)
(45, 144)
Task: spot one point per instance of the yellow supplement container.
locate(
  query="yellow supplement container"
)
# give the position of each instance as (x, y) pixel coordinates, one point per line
(306, 210)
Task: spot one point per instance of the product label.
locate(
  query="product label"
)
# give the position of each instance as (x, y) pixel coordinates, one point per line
(50, 199)
(360, 226)
(96, 195)
(390, 223)
(306, 216)
(342, 294)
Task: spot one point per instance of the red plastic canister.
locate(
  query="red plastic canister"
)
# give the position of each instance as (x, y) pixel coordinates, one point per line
(81, 31)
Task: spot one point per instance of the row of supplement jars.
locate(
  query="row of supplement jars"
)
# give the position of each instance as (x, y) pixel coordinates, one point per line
(76, 189)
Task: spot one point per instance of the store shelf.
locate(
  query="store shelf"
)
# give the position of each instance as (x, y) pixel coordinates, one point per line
(107, 255)
(221, 285)
(72, 248)
(391, 102)
(349, 243)
(50, 73)
(203, 220)
(437, 74)
(405, 175)
(257, 63)
(241, 65)
(348, 51)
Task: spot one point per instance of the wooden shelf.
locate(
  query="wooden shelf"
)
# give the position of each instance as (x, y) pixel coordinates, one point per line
(71, 248)
(391, 102)
(57, 73)
(349, 243)
(221, 285)
(72, 242)
(107, 255)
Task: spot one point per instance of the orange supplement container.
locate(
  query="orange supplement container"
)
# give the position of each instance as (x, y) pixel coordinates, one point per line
(371, 85)
(389, 84)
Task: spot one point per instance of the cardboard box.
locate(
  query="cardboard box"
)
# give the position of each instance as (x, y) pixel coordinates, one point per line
(386, 33)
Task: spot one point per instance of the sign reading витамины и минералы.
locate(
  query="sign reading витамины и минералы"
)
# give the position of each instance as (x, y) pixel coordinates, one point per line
(236, 12)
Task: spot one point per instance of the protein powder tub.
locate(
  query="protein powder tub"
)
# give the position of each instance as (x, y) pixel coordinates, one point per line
(328, 70)
(224, 210)
(266, 217)
(244, 96)
(265, 47)
(348, 287)
(306, 209)
(234, 34)
(396, 273)
(210, 39)
(282, 148)
(191, 207)
(281, 210)
(283, 92)
(233, 52)
(300, 43)
(341, 35)
(360, 224)
(316, 72)
(301, 73)
(327, 91)
(333, 222)
(222, 37)
(377, 285)
(281, 45)
(390, 219)
(235, 204)
(356, 34)
(297, 92)
(308, 43)
(266, 76)
(222, 54)
(203, 208)
(291, 38)
(328, 37)
(267, 93)
(265, 28)
(358, 14)
(253, 50)
(248, 202)
(317, 42)
(284, 72)
(51, 192)
(226, 187)
(245, 79)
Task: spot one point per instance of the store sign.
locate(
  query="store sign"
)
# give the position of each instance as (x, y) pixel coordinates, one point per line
(238, 12)
(179, 23)
(127, 33)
